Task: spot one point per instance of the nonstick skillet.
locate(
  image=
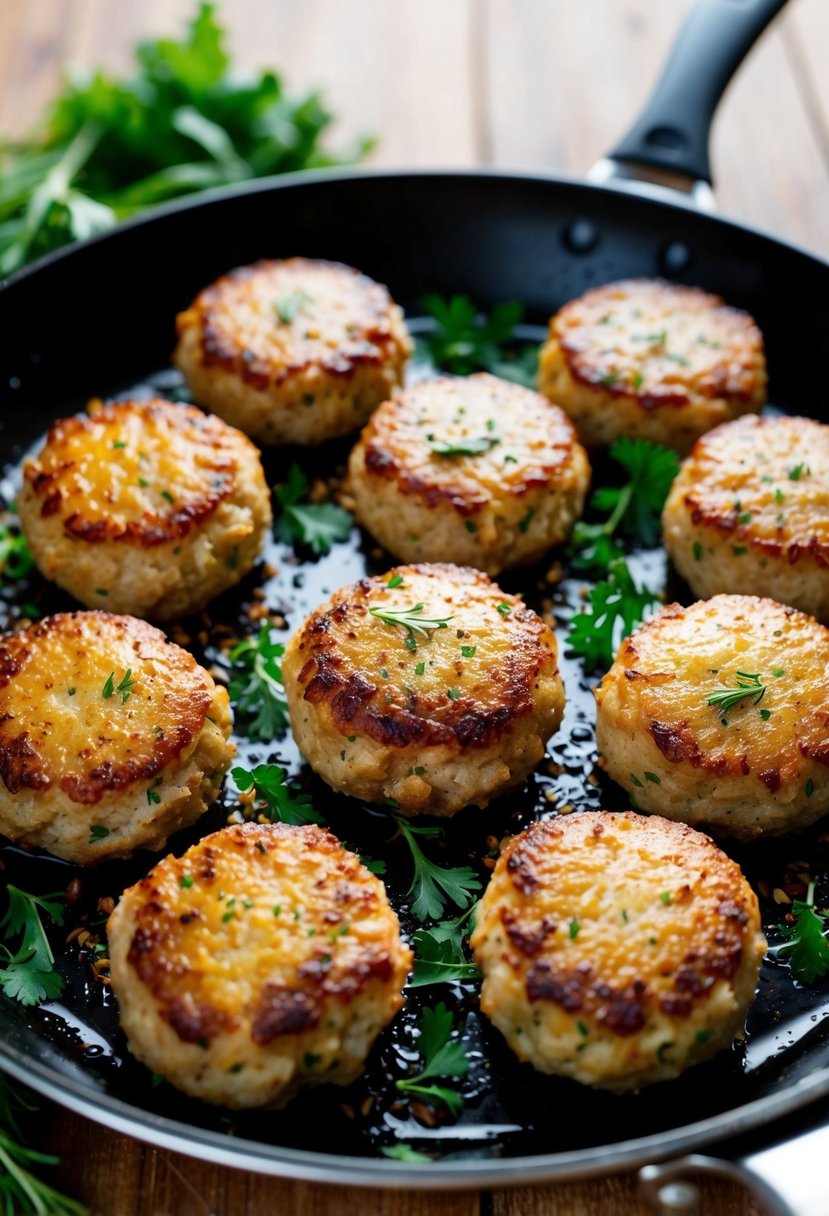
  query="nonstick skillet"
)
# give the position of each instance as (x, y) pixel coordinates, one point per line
(97, 319)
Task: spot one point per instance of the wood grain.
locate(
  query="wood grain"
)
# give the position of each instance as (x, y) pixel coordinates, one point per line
(539, 83)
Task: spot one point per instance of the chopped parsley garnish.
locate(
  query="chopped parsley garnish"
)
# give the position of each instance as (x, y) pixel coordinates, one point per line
(439, 954)
(413, 621)
(453, 694)
(29, 974)
(97, 832)
(504, 608)
(317, 524)
(574, 929)
(166, 494)
(280, 801)
(15, 559)
(442, 1056)
(255, 687)
(464, 340)
(462, 447)
(799, 470)
(287, 307)
(153, 796)
(524, 523)
(125, 687)
(749, 687)
(806, 944)
(396, 580)
(468, 652)
(616, 607)
(432, 885)
(633, 509)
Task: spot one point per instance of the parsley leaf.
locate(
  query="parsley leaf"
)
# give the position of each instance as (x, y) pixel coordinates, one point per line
(256, 685)
(183, 121)
(462, 447)
(23, 1191)
(809, 958)
(433, 885)
(442, 1056)
(274, 796)
(439, 955)
(15, 559)
(464, 340)
(29, 975)
(633, 509)
(617, 606)
(316, 524)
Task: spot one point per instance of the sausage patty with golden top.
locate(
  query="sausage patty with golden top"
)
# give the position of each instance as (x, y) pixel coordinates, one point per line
(294, 351)
(264, 959)
(428, 687)
(617, 949)
(473, 470)
(652, 360)
(111, 737)
(749, 512)
(145, 507)
(718, 715)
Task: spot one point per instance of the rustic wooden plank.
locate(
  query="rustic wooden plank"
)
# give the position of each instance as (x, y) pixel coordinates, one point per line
(565, 80)
(115, 1175)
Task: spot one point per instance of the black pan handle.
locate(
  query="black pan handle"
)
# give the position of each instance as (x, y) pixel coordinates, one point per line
(672, 132)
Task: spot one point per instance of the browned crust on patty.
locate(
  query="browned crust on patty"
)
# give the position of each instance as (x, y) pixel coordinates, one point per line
(583, 340)
(414, 472)
(160, 954)
(54, 478)
(797, 535)
(369, 344)
(357, 703)
(86, 776)
(713, 954)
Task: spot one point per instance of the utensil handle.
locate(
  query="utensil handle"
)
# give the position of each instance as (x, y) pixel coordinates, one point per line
(788, 1179)
(673, 130)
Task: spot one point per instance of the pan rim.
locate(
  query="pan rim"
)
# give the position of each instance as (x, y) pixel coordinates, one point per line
(304, 1165)
(331, 176)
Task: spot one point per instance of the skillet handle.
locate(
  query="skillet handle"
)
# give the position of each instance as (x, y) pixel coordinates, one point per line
(672, 132)
(788, 1179)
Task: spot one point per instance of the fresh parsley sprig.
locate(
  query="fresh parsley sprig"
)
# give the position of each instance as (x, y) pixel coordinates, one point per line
(183, 122)
(15, 559)
(29, 974)
(317, 524)
(633, 509)
(278, 799)
(465, 340)
(255, 687)
(20, 1189)
(124, 686)
(413, 622)
(462, 447)
(616, 606)
(432, 885)
(807, 946)
(439, 954)
(443, 1057)
(749, 687)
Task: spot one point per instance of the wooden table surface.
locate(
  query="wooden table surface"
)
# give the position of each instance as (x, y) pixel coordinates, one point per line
(530, 83)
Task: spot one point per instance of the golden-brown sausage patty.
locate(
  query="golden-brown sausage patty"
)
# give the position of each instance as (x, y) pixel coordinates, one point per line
(652, 360)
(760, 767)
(472, 470)
(432, 717)
(145, 507)
(111, 737)
(749, 512)
(264, 959)
(294, 351)
(617, 949)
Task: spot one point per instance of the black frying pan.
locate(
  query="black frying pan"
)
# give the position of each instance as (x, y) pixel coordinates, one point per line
(97, 319)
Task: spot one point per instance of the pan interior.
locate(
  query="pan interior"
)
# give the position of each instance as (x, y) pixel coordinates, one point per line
(509, 1108)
